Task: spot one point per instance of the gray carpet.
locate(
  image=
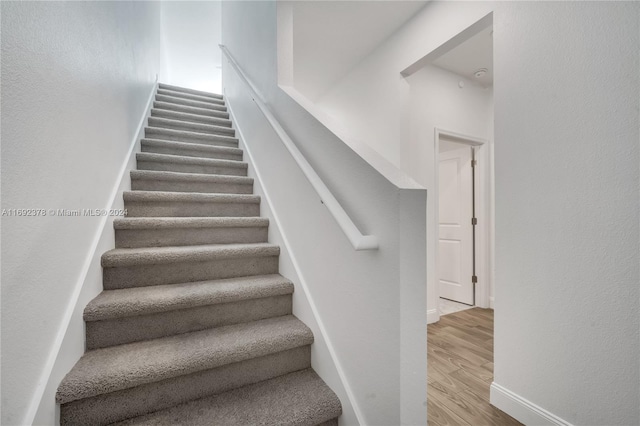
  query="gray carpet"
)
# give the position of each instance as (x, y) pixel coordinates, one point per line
(194, 326)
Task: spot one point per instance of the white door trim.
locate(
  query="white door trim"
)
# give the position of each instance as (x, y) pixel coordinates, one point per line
(484, 229)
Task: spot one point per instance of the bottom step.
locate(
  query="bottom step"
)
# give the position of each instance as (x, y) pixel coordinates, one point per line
(299, 398)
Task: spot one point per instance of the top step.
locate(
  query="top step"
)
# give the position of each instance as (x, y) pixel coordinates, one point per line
(191, 91)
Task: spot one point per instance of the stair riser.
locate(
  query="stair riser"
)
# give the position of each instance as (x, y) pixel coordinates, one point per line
(119, 331)
(191, 127)
(187, 102)
(179, 89)
(179, 272)
(153, 133)
(190, 110)
(120, 405)
(191, 153)
(133, 238)
(190, 209)
(187, 186)
(190, 96)
(332, 422)
(191, 168)
(192, 118)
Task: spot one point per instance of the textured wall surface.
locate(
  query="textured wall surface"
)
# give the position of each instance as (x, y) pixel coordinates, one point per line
(75, 81)
(567, 209)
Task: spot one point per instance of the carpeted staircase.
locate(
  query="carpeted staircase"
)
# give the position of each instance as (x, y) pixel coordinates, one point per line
(194, 325)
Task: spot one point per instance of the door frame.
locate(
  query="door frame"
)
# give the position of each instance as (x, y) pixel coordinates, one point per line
(483, 207)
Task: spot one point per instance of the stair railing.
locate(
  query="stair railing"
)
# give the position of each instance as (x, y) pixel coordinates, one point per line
(358, 241)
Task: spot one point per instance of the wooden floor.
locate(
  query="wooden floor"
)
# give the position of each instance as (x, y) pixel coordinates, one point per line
(460, 370)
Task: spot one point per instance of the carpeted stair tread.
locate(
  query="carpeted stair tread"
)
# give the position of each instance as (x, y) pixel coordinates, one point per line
(125, 366)
(189, 126)
(183, 181)
(132, 232)
(183, 159)
(183, 116)
(188, 102)
(295, 399)
(120, 257)
(141, 400)
(190, 177)
(161, 203)
(147, 300)
(188, 222)
(190, 147)
(185, 136)
(167, 106)
(165, 86)
(189, 197)
(191, 96)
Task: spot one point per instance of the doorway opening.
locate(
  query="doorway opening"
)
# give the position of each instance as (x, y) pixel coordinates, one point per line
(459, 78)
(462, 166)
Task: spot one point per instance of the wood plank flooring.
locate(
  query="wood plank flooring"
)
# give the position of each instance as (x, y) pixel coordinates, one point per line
(460, 370)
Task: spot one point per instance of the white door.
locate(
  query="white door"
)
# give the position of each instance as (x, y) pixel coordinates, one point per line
(455, 250)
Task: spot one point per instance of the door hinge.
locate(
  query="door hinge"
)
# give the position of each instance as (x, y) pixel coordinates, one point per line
(474, 279)
(474, 220)
(474, 163)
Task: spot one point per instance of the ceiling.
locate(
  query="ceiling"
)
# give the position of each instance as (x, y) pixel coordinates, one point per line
(331, 37)
(470, 56)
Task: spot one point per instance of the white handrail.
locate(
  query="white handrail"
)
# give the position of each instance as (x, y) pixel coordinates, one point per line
(358, 241)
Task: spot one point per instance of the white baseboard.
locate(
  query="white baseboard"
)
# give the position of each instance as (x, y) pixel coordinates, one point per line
(522, 409)
(433, 316)
(491, 300)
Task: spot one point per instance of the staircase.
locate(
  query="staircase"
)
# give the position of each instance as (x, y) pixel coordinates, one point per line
(194, 325)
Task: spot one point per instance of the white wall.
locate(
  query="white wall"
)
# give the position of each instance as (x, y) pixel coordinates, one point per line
(330, 37)
(567, 219)
(372, 303)
(566, 175)
(191, 32)
(75, 80)
(436, 100)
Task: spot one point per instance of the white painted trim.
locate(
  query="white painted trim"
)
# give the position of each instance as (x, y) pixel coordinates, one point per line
(433, 315)
(358, 241)
(460, 137)
(303, 281)
(73, 300)
(383, 166)
(449, 45)
(522, 409)
(483, 200)
(491, 302)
